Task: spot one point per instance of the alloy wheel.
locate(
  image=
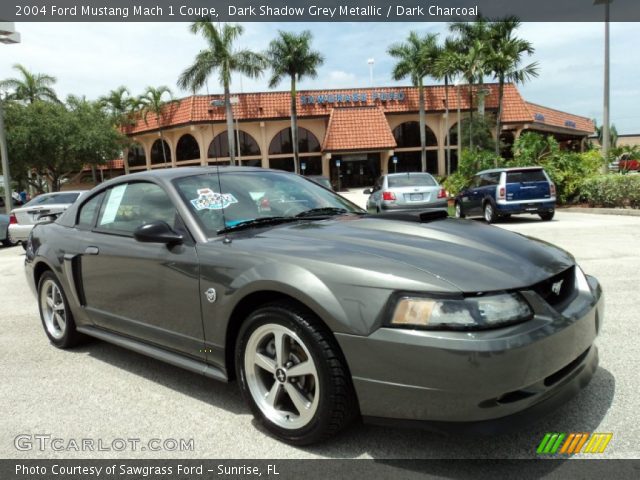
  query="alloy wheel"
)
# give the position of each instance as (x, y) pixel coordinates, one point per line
(54, 312)
(282, 376)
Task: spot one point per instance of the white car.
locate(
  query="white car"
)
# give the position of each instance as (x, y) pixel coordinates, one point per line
(22, 219)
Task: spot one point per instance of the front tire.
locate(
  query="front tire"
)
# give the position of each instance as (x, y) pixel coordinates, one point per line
(293, 376)
(55, 314)
(490, 215)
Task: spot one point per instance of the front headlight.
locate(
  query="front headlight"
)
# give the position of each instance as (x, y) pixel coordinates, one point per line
(461, 314)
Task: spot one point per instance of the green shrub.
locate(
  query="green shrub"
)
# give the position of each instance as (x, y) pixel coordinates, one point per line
(470, 163)
(612, 191)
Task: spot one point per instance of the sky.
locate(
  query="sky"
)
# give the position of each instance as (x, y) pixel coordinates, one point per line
(92, 58)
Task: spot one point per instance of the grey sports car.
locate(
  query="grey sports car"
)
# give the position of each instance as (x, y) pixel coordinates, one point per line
(324, 313)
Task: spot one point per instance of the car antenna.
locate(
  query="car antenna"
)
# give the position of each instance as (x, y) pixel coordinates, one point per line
(226, 239)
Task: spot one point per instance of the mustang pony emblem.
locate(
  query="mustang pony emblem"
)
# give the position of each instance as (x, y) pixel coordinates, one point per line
(555, 288)
(211, 295)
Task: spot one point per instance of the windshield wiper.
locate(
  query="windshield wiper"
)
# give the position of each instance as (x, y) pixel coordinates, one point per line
(322, 212)
(257, 222)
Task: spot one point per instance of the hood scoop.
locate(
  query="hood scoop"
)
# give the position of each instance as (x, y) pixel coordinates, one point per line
(421, 216)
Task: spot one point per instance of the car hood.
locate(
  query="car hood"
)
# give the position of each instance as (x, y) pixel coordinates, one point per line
(468, 255)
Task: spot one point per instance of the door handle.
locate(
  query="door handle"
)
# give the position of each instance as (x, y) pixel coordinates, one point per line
(92, 251)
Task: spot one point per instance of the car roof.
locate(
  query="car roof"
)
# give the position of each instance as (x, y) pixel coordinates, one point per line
(401, 174)
(510, 169)
(169, 174)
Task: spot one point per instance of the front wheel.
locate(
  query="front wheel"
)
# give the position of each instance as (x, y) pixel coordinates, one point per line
(293, 376)
(55, 314)
(547, 216)
(490, 215)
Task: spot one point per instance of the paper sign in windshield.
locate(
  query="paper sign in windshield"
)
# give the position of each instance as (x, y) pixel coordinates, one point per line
(210, 200)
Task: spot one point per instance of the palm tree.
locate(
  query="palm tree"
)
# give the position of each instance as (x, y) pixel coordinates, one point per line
(221, 56)
(120, 105)
(449, 64)
(152, 102)
(30, 87)
(504, 61)
(290, 55)
(416, 59)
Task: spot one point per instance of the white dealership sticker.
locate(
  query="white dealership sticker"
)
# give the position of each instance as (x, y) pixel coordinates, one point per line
(113, 204)
(210, 200)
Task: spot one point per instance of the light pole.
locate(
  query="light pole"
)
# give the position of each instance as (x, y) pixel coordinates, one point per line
(370, 62)
(8, 35)
(459, 118)
(605, 114)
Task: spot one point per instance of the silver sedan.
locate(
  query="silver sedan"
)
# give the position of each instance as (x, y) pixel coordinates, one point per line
(403, 191)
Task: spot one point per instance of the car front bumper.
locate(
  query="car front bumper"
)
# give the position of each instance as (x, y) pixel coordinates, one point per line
(486, 381)
(19, 233)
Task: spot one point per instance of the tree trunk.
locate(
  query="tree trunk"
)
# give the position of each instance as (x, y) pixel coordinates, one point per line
(164, 153)
(470, 115)
(294, 127)
(229, 114)
(446, 122)
(481, 98)
(499, 117)
(423, 139)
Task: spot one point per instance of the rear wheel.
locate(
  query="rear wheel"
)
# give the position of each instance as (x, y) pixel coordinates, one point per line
(293, 376)
(547, 216)
(490, 215)
(459, 212)
(7, 242)
(56, 317)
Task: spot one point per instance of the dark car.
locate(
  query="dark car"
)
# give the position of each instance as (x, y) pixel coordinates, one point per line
(503, 192)
(322, 312)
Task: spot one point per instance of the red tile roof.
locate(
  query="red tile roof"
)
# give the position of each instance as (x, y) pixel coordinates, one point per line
(557, 118)
(276, 105)
(358, 128)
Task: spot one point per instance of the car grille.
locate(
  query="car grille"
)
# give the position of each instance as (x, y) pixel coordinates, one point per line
(559, 290)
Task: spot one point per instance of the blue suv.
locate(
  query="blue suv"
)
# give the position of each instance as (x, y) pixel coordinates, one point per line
(502, 192)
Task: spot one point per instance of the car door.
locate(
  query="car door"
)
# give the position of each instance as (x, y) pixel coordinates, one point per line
(471, 199)
(149, 291)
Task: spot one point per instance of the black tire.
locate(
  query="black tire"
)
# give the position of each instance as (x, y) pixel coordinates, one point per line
(8, 243)
(62, 337)
(490, 215)
(547, 216)
(336, 406)
(459, 211)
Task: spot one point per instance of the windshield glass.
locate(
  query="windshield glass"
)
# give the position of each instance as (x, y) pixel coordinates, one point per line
(412, 180)
(247, 196)
(53, 198)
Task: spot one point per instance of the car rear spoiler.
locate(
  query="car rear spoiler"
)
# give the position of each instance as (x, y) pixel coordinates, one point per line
(416, 216)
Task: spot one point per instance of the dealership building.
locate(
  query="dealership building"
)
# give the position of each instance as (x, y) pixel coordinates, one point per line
(351, 134)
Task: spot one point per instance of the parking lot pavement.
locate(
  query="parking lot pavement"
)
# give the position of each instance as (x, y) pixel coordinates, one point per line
(100, 391)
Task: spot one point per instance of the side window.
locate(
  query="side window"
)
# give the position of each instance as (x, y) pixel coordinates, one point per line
(88, 211)
(475, 181)
(128, 206)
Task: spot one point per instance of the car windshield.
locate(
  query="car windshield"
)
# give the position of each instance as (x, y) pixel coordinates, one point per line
(411, 180)
(53, 198)
(521, 176)
(255, 197)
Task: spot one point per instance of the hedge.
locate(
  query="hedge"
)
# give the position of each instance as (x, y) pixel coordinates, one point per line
(612, 191)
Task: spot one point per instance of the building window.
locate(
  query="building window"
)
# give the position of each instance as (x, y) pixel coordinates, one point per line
(407, 135)
(187, 148)
(160, 152)
(281, 143)
(412, 162)
(135, 156)
(219, 147)
(282, 164)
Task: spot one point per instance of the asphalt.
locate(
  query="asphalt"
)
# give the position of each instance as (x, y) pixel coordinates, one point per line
(99, 391)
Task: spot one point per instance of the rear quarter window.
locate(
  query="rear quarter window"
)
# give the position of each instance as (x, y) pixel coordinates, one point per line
(524, 176)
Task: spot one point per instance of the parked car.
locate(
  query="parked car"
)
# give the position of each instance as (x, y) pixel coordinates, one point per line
(502, 192)
(23, 218)
(410, 190)
(4, 231)
(321, 311)
(628, 163)
(320, 180)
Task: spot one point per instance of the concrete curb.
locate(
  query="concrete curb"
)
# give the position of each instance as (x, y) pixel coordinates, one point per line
(631, 212)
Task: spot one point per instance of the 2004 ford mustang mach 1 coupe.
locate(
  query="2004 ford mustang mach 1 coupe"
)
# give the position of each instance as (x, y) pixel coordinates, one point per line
(322, 312)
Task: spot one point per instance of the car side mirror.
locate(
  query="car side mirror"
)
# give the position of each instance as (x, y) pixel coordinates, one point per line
(157, 232)
(368, 191)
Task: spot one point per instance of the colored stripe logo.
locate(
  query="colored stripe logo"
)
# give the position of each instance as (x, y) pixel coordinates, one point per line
(572, 443)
